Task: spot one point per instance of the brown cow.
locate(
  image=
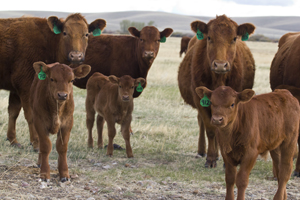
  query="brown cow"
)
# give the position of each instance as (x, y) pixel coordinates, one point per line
(124, 55)
(184, 45)
(52, 106)
(220, 58)
(247, 126)
(285, 68)
(112, 99)
(37, 39)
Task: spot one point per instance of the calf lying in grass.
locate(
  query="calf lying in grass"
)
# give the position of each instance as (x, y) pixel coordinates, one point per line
(52, 103)
(112, 99)
(247, 126)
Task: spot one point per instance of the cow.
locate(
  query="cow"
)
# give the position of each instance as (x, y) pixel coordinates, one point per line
(51, 100)
(184, 44)
(112, 99)
(247, 126)
(285, 64)
(124, 54)
(27, 40)
(219, 57)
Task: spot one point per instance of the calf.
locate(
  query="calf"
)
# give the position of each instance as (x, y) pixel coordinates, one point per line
(52, 105)
(184, 44)
(247, 126)
(112, 99)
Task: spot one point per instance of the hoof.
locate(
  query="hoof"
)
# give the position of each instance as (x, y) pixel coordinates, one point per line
(116, 147)
(45, 180)
(36, 150)
(65, 179)
(38, 165)
(18, 145)
(201, 155)
(210, 164)
(296, 174)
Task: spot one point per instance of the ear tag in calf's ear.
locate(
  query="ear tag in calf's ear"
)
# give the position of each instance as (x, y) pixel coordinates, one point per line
(97, 32)
(163, 39)
(199, 35)
(56, 29)
(245, 37)
(42, 75)
(205, 102)
(139, 88)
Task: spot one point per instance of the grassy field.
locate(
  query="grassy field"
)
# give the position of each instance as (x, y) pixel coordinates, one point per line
(164, 146)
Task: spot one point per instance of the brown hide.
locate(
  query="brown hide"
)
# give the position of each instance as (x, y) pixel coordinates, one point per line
(248, 127)
(52, 106)
(184, 44)
(112, 99)
(285, 68)
(32, 39)
(219, 44)
(124, 55)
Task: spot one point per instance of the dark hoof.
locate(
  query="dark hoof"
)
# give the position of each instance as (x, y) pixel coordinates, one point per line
(296, 174)
(224, 166)
(18, 145)
(201, 155)
(116, 147)
(38, 165)
(210, 164)
(64, 179)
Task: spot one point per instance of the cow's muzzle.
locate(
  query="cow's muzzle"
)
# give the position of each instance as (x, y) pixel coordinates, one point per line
(62, 96)
(125, 98)
(149, 54)
(217, 120)
(220, 67)
(76, 56)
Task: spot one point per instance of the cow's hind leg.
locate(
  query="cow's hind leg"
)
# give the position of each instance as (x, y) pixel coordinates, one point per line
(126, 135)
(14, 107)
(297, 170)
(111, 135)
(90, 118)
(201, 140)
(100, 124)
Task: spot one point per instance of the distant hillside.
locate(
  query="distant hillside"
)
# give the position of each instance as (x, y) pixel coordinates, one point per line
(272, 27)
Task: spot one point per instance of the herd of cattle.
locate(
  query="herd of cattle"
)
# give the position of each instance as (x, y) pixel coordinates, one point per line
(41, 59)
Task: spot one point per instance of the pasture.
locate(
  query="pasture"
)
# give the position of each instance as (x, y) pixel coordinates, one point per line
(164, 146)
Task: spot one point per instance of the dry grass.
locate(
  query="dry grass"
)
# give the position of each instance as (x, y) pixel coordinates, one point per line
(164, 145)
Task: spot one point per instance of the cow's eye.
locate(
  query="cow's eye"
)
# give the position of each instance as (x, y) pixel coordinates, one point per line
(132, 87)
(232, 105)
(120, 86)
(65, 33)
(87, 35)
(208, 38)
(141, 40)
(72, 81)
(234, 39)
(51, 79)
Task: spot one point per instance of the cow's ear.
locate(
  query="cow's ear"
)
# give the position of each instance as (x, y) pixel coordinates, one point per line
(139, 81)
(41, 69)
(166, 33)
(133, 31)
(244, 30)
(81, 71)
(201, 91)
(199, 26)
(55, 24)
(97, 27)
(113, 79)
(245, 96)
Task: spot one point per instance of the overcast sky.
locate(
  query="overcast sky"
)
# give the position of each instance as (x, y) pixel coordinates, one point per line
(231, 8)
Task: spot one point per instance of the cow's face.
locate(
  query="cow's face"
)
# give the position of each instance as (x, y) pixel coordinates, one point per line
(74, 33)
(60, 78)
(224, 103)
(149, 39)
(126, 86)
(221, 35)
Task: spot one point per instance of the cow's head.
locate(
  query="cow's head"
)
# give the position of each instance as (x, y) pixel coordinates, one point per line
(224, 103)
(74, 33)
(126, 86)
(149, 39)
(60, 77)
(221, 35)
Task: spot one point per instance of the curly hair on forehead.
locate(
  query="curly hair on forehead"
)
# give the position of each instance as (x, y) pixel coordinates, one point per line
(76, 16)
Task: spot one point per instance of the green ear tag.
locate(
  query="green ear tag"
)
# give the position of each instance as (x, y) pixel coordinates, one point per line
(199, 35)
(56, 30)
(42, 75)
(163, 39)
(139, 88)
(97, 32)
(205, 102)
(245, 36)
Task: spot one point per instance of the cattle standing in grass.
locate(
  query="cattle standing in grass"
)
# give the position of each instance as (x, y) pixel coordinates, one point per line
(112, 99)
(247, 126)
(285, 68)
(184, 44)
(32, 39)
(52, 106)
(124, 55)
(219, 58)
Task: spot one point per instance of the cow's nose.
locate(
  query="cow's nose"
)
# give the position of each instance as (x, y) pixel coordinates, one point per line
(220, 66)
(149, 54)
(217, 120)
(76, 56)
(125, 98)
(62, 96)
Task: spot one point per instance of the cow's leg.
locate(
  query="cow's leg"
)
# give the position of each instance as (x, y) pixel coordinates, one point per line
(275, 157)
(201, 140)
(62, 147)
(126, 135)
(100, 124)
(14, 107)
(230, 176)
(285, 168)
(90, 118)
(297, 170)
(45, 149)
(34, 139)
(242, 178)
(212, 154)
(111, 134)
